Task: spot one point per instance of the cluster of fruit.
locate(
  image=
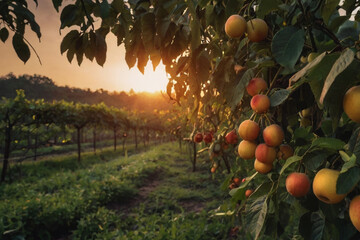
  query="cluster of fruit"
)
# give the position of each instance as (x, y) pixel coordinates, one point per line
(231, 138)
(206, 137)
(256, 29)
(235, 182)
(273, 135)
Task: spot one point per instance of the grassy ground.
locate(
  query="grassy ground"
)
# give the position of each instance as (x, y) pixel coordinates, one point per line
(149, 195)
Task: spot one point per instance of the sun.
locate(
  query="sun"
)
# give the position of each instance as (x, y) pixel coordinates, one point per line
(151, 81)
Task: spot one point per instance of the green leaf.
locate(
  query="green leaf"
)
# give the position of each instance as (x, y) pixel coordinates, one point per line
(318, 225)
(69, 16)
(262, 190)
(57, 4)
(287, 46)
(279, 96)
(118, 5)
(21, 48)
(69, 40)
(143, 58)
(347, 180)
(101, 48)
(337, 22)
(290, 161)
(209, 14)
(266, 6)
(104, 9)
(195, 33)
(305, 225)
(350, 162)
(232, 7)
(4, 34)
(239, 90)
(237, 195)
(255, 215)
(328, 143)
(148, 31)
(345, 59)
(305, 70)
(314, 160)
(328, 9)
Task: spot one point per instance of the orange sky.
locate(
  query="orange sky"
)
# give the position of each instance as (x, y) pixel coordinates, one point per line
(114, 76)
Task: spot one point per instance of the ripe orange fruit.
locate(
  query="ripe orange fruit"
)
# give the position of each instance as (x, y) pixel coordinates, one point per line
(235, 26)
(257, 30)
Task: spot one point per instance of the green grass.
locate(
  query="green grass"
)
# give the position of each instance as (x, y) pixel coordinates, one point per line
(57, 199)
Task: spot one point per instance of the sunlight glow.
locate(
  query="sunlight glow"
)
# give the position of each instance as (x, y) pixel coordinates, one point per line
(151, 81)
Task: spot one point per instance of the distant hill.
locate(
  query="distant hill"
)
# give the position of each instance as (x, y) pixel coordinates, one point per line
(42, 87)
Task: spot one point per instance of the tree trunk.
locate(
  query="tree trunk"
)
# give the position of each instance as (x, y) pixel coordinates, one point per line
(6, 152)
(114, 138)
(194, 157)
(79, 142)
(227, 164)
(123, 143)
(94, 140)
(35, 146)
(136, 140)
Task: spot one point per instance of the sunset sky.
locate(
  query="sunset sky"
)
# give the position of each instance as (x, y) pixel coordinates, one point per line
(114, 76)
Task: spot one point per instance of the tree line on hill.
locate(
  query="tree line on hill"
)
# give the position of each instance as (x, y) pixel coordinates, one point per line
(42, 87)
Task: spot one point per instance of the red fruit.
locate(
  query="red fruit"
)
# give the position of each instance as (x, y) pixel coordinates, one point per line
(198, 138)
(231, 137)
(260, 103)
(297, 184)
(232, 186)
(243, 180)
(273, 135)
(265, 154)
(213, 170)
(208, 138)
(248, 193)
(256, 86)
(237, 181)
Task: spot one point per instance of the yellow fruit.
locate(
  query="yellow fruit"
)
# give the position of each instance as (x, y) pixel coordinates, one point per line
(324, 186)
(246, 149)
(262, 167)
(312, 56)
(351, 103)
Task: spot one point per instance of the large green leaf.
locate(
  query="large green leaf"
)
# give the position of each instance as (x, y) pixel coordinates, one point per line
(279, 96)
(347, 180)
(345, 59)
(287, 46)
(21, 48)
(328, 143)
(255, 215)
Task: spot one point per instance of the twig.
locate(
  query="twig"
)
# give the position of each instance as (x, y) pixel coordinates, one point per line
(273, 81)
